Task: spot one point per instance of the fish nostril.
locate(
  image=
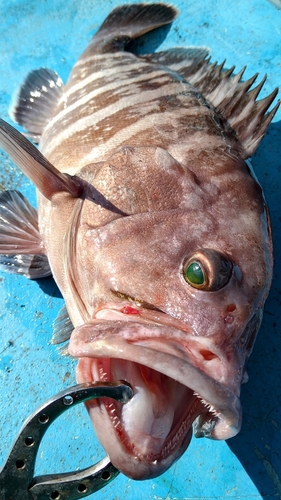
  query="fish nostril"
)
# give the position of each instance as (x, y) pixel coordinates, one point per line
(231, 307)
(207, 355)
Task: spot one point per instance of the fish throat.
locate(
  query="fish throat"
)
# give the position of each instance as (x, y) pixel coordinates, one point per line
(158, 420)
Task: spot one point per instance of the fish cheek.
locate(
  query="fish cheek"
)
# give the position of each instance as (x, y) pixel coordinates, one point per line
(95, 266)
(116, 257)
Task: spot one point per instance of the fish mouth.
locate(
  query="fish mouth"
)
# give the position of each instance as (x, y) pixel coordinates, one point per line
(172, 392)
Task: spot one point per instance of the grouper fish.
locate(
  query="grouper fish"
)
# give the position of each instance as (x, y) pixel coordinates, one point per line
(154, 228)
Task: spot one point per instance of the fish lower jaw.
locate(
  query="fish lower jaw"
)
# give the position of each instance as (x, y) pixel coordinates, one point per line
(154, 347)
(154, 428)
(145, 436)
(139, 448)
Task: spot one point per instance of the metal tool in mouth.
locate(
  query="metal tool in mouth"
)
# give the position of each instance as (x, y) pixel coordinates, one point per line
(16, 476)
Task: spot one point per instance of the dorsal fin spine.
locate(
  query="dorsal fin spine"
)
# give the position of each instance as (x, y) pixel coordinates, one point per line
(227, 108)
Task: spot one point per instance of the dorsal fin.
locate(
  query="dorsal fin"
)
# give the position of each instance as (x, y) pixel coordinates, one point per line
(35, 166)
(36, 100)
(234, 99)
(186, 61)
(236, 102)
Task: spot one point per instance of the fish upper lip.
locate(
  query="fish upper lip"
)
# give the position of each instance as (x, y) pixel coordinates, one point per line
(112, 334)
(146, 314)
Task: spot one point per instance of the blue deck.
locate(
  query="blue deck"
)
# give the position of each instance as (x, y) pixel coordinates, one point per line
(53, 34)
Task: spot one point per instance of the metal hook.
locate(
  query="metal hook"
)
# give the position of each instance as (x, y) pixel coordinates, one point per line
(16, 477)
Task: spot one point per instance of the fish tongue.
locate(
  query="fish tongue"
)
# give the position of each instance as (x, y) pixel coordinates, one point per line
(148, 417)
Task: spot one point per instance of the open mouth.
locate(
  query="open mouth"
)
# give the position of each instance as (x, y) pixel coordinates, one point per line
(157, 419)
(171, 392)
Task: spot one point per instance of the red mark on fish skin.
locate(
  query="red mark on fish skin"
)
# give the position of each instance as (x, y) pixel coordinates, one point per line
(228, 319)
(231, 308)
(129, 310)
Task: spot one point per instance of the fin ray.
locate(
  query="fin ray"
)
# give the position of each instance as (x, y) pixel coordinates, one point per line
(235, 100)
(34, 104)
(19, 232)
(28, 265)
(62, 327)
(21, 246)
(189, 58)
(35, 166)
(128, 22)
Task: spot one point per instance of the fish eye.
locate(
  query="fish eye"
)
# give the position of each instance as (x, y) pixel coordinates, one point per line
(195, 274)
(207, 270)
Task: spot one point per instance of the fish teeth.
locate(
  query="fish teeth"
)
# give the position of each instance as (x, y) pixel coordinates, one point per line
(112, 413)
(181, 431)
(207, 405)
(102, 374)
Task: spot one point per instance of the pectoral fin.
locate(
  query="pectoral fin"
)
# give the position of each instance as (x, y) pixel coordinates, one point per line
(35, 166)
(21, 245)
(18, 225)
(30, 266)
(62, 329)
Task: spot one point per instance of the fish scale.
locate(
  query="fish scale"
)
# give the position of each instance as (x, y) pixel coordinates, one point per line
(154, 228)
(108, 118)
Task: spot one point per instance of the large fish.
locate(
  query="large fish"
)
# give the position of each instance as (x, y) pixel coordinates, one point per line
(154, 228)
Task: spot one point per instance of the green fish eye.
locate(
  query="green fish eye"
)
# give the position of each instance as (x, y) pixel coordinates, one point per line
(207, 270)
(194, 274)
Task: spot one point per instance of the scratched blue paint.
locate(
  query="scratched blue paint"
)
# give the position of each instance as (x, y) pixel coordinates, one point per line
(53, 34)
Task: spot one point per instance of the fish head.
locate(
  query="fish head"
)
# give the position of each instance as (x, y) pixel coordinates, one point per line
(171, 279)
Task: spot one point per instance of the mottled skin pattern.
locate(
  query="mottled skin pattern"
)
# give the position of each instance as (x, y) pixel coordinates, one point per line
(213, 181)
(177, 200)
(163, 177)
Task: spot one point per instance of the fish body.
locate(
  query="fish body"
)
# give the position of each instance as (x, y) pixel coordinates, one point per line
(154, 228)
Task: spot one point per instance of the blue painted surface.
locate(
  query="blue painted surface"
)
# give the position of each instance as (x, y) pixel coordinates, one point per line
(53, 34)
